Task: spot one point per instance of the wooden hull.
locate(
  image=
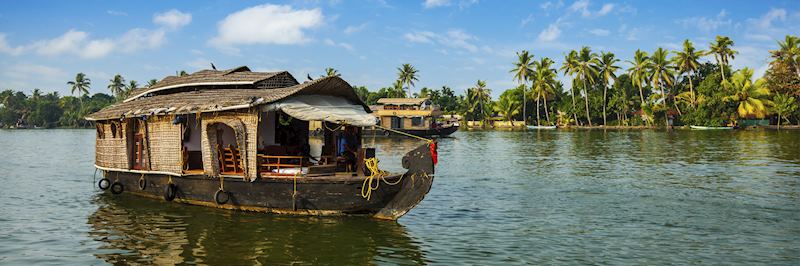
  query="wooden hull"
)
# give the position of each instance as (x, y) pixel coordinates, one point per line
(541, 127)
(709, 128)
(425, 133)
(330, 195)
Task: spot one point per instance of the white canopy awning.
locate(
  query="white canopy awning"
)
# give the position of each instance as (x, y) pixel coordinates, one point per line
(325, 108)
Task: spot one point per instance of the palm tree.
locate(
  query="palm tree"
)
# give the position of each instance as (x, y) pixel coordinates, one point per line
(751, 98)
(81, 85)
(784, 104)
(117, 85)
(181, 73)
(543, 82)
(722, 51)
(331, 72)
(661, 73)
(132, 85)
(789, 52)
(407, 74)
(508, 107)
(522, 71)
(587, 71)
(686, 62)
(480, 94)
(607, 67)
(569, 67)
(152, 82)
(396, 90)
(638, 71)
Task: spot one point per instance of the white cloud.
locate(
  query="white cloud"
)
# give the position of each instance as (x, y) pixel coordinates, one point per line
(454, 38)
(436, 3)
(765, 22)
(466, 3)
(527, 20)
(552, 5)
(266, 24)
(139, 39)
(459, 39)
(172, 19)
(354, 28)
(607, 8)
(753, 57)
(7, 49)
(582, 7)
(599, 32)
(707, 24)
(116, 13)
(18, 76)
(765, 28)
(420, 36)
(346, 46)
(551, 33)
(78, 42)
(69, 42)
(98, 48)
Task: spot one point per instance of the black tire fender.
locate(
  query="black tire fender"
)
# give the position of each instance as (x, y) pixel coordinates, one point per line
(117, 188)
(142, 183)
(104, 183)
(170, 191)
(221, 197)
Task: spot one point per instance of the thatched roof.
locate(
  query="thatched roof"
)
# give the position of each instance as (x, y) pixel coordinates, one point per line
(204, 78)
(212, 100)
(402, 101)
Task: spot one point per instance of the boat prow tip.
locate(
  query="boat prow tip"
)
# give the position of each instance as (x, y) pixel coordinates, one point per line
(417, 182)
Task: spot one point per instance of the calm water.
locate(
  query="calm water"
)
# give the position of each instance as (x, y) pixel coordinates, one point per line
(563, 197)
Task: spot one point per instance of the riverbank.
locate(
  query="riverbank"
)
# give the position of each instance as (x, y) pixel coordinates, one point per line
(523, 128)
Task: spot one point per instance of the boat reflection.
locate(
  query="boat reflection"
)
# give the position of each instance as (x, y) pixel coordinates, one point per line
(134, 230)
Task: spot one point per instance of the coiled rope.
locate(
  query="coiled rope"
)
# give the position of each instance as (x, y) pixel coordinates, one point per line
(373, 181)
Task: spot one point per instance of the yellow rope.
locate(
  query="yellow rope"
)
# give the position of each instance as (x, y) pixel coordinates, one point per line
(370, 183)
(404, 133)
(334, 129)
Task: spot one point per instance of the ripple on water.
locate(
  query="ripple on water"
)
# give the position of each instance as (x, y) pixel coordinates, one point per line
(546, 197)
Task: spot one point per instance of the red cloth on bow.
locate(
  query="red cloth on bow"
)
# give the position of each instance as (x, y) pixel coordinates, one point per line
(434, 153)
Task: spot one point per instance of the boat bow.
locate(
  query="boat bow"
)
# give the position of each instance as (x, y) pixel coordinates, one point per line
(417, 182)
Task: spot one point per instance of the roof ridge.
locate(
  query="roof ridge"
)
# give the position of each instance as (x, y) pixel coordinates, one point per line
(237, 69)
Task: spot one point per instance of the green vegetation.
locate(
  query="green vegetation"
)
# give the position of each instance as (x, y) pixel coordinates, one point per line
(689, 86)
(52, 110)
(651, 90)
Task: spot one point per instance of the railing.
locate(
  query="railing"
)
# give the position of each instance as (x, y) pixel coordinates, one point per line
(268, 163)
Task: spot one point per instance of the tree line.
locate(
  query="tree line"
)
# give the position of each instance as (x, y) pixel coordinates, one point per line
(654, 88)
(49, 110)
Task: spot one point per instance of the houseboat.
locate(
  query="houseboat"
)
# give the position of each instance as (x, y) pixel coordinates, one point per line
(414, 116)
(244, 140)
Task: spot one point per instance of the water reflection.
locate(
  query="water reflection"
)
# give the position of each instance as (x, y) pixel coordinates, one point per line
(135, 231)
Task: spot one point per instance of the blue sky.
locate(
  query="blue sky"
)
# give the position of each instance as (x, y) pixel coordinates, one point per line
(44, 43)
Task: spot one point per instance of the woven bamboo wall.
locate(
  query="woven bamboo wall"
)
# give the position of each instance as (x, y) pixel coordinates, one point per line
(110, 150)
(163, 145)
(245, 124)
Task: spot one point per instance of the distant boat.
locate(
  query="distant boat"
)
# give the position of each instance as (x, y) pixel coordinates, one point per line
(709, 128)
(542, 127)
(415, 116)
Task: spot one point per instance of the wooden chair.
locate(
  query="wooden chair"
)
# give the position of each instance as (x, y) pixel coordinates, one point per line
(230, 160)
